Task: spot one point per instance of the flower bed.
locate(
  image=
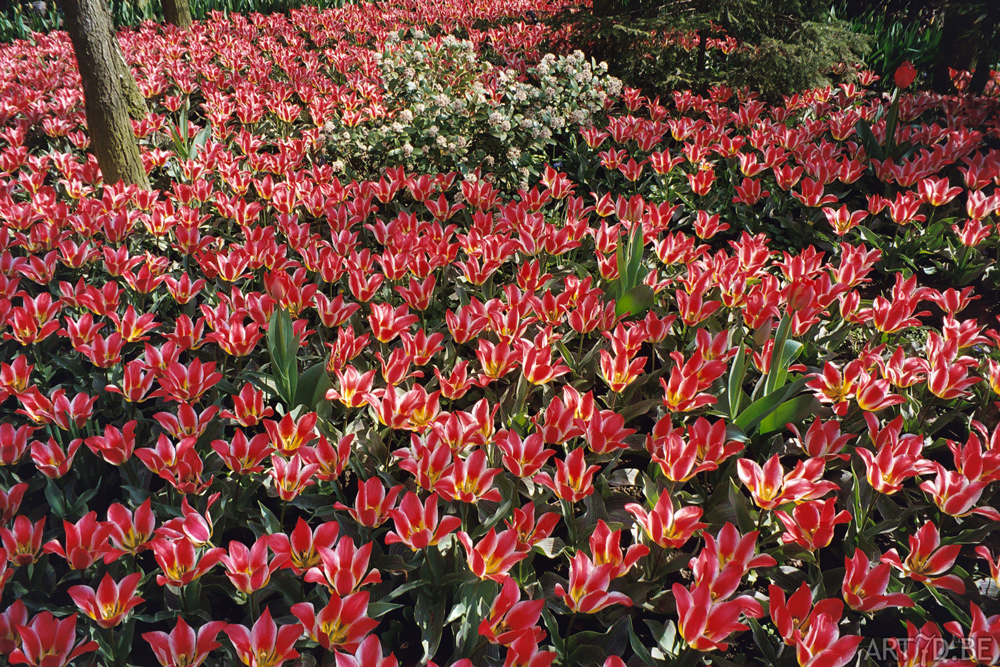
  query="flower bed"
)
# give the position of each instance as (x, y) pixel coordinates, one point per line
(719, 385)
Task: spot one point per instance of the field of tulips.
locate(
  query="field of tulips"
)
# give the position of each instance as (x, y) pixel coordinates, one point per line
(579, 378)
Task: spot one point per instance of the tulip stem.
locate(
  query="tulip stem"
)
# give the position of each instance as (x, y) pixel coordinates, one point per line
(112, 646)
(570, 520)
(569, 628)
(254, 607)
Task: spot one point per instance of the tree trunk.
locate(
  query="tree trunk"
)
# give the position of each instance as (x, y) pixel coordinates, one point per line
(177, 12)
(106, 82)
(135, 101)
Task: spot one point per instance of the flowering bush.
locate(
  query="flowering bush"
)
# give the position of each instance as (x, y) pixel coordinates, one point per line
(448, 109)
(726, 394)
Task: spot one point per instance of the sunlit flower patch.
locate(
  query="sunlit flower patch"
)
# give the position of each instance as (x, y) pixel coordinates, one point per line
(718, 384)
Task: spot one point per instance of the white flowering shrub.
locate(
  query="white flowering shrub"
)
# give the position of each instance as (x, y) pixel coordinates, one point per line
(447, 108)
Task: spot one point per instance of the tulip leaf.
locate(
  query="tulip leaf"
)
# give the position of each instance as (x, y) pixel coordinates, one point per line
(872, 148)
(635, 247)
(756, 411)
(553, 627)
(377, 609)
(312, 386)
(56, 499)
(283, 345)
(738, 371)
(792, 411)
(637, 300)
(740, 508)
(778, 369)
(429, 614)
(637, 646)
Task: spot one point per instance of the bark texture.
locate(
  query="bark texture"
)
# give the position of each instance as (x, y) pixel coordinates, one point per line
(106, 90)
(177, 12)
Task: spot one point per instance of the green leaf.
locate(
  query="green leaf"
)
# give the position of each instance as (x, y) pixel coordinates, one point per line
(56, 499)
(377, 609)
(792, 411)
(641, 651)
(312, 386)
(764, 406)
(283, 345)
(868, 140)
(429, 614)
(635, 247)
(734, 384)
(763, 640)
(740, 508)
(776, 373)
(635, 301)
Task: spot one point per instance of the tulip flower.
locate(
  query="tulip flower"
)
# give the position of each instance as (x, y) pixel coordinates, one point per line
(561, 422)
(605, 432)
(726, 559)
(665, 527)
(183, 647)
(14, 617)
(180, 562)
(300, 550)
(618, 372)
(864, 587)
(682, 458)
(928, 560)
(982, 644)
(187, 422)
(904, 75)
(115, 446)
(469, 481)
(10, 501)
(416, 524)
(291, 476)
(792, 616)
(811, 523)
(605, 547)
(536, 363)
(897, 457)
(47, 642)
(574, 480)
(523, 458)
(289, 434)
(342, 623)
(494, 555)
(770, 486)
(956, 495)
(588, 586)
(372, 504)
(923, 646)
(822, 439)
(243, 456)
(368, 654)
(510, 617)
(822, 645)
(265, 644)
(354, 386)
(248, 407)
(332, 459)
(129, 532)
(86, 542)
(531, 532)
(111, 603)
(248, 568)
(706, 624)
(523, 652)
(343, 569)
